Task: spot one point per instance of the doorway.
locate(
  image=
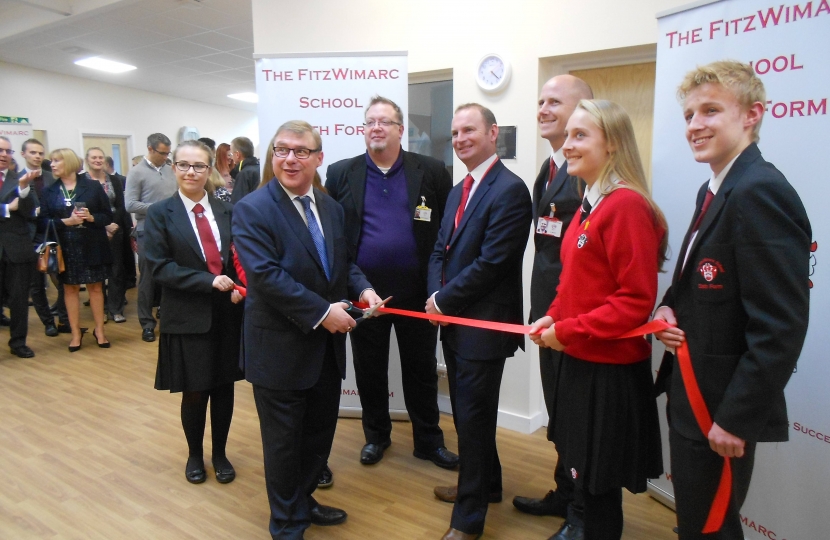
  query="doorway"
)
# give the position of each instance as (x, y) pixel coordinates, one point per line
(114, 147)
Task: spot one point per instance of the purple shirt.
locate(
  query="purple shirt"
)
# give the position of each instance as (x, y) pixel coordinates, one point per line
(387, 252)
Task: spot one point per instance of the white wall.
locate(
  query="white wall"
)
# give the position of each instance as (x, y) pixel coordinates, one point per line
(455, 34)
(67, 106)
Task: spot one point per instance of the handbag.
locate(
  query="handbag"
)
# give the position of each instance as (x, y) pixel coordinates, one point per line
(50, 255)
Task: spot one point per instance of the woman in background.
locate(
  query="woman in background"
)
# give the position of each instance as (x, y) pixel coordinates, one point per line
(606, 426)
(188, 250)
(224, 164)
(80, 211)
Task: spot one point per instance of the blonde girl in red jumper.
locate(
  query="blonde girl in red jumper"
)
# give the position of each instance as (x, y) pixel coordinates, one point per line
(606, 424)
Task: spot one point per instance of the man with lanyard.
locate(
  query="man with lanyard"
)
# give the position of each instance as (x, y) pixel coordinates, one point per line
(150, 181)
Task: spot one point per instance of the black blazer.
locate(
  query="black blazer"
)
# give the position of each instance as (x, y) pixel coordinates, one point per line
(564, 192)
(177, 264)
(247, 180)
(480, 274)
(288, 292)
(425, 177)
(53, 208)
(39, 184)
(743, 301)
(15, 230)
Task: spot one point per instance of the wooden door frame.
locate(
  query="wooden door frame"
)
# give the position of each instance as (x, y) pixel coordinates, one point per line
(100, 133)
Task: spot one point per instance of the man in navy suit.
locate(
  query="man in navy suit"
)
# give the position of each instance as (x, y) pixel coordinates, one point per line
(290, 240)
(739, 296)
(556, 198)
(476, 272)
(18, 205)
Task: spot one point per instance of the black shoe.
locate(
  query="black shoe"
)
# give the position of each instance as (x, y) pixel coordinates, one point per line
(5, 321)
(327, 515)
(148, 335)
(76, 348)
(553, 504)
(372, 453)
(22, 351)
(569, 531)
(51, 330)
(86, 304)
(104, 345)
(326, 479)
(194, 471)
(440, 456)
(225, 473)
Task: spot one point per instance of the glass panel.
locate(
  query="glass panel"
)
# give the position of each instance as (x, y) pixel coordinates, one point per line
(430, 118)
(116, 158)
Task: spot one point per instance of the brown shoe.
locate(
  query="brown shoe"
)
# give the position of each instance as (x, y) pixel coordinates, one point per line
(450, 493)
(455, 534)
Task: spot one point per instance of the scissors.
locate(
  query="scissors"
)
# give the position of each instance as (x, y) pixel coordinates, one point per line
(359, 314)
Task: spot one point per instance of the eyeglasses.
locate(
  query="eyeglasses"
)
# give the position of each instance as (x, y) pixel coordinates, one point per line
(384, 123)
(299, 153)
(165, 154)
(184, 166)
(7, 152)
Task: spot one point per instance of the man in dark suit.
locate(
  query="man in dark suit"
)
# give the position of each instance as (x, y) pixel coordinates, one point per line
(556, 198)
(110, 168)
(247, 179)
(290, 241)
(394, 201)
(18, 205)
(33, 151)
(739, 293)
(476, 272)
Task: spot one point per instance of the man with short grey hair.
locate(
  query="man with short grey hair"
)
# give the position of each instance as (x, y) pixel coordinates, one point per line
(150, 181)
(247, 178)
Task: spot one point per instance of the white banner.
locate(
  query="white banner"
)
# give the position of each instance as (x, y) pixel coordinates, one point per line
(787, 44)
(331, 93)
(17, 134)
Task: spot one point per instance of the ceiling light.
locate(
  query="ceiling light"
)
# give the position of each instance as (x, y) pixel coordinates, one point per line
(105, 65)
(250, 97)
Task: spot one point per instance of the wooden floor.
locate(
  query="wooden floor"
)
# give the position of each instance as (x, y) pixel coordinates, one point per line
(89, 450)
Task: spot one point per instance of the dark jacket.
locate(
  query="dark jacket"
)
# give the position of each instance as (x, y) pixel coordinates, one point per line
(53, 208)
(743, 301)
(425, 177)
(177, 264)
(547, 265)
(247, 180)
(477, 270)
(15, 233)
(124, 221)
(288, 292)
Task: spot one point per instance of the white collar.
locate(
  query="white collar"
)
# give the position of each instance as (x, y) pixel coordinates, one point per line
(717, 179)
(189, 204)
(293, 196)
(479, 172)
(558, 157)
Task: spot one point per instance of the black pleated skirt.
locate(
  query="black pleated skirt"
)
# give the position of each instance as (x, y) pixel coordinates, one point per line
(606, 428)
(198, 362)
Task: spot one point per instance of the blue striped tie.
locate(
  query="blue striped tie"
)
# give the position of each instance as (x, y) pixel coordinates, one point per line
(316, 233)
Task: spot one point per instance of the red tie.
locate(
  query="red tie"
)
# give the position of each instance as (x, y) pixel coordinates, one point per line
(465, 194)
(553, 170)
(214, 260)
(706, 202)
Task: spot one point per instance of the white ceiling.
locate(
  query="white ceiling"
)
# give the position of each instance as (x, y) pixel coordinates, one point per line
(195, 49)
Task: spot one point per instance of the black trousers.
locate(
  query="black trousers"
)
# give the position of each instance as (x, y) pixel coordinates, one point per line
(600, 514)
(15, 279)
(549, 364)
(696, 471)
(417, 340)
(114, 298)
(148, 293)
(474, 394)
(297, 429)
(37, 290)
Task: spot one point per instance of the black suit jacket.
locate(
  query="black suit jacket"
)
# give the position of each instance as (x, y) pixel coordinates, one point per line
(247, 180)
(53, 208)
(743, 301)
(15, 235)
(288, 292)
(477, 270)
(425, 177)
(564, 192)
(177, 264)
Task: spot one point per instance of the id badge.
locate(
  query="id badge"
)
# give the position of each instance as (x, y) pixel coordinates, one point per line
(422, 211)
(549, 226)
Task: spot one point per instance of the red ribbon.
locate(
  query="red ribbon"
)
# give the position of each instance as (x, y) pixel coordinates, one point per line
(717, 513)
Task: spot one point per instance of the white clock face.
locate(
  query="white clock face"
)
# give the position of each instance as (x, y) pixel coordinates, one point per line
(493, 73)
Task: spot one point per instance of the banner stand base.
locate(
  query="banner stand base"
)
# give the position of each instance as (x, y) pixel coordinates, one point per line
(357, 412)
(660, 495)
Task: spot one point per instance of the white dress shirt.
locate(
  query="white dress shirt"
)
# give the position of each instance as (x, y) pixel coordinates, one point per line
(214, 228)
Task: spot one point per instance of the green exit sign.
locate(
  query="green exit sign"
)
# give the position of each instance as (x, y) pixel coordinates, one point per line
(14, 120)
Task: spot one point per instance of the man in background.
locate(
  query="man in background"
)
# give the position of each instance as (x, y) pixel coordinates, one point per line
(247, 177)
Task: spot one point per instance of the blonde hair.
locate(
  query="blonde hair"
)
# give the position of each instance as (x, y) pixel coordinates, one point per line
(739, 78)
(624, 160)
(71, 161)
